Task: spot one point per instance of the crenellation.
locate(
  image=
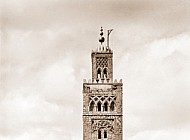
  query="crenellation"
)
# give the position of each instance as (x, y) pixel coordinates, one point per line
(102, 49)
(84, 81)
(101, 81)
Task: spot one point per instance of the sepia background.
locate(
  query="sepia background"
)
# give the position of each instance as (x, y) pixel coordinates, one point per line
(45, 55)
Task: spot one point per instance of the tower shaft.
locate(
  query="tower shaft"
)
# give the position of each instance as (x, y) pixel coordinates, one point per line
(102, 100)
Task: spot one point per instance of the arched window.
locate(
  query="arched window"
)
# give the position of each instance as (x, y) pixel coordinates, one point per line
(99, 106)
(105, 73)
(99, 73)
(112, 106)
(105, 106)
(99, 134)
(105, 134)
(91, 106)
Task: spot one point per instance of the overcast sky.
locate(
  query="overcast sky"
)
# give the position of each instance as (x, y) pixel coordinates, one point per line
(45, 55)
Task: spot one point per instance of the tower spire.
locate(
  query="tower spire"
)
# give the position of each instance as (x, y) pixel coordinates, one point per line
(102, 39)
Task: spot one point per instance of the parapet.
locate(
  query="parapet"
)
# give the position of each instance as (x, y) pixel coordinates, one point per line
(101, 81)
(103, 49)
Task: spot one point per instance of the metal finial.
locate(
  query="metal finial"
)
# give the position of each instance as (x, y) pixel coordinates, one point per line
(109, 32)
(102, 39)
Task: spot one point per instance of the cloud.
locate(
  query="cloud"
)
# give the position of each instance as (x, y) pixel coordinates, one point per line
(172, 134)
(156, 85)
(166, 17)
(46, 108)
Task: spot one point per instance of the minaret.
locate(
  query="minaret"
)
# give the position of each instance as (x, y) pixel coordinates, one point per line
(102, 98)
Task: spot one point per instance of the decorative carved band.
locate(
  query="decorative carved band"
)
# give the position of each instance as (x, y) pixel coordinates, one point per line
(101, 62)
(103, 125)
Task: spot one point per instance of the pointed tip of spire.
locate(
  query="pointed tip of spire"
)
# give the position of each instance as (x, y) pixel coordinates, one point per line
(101, 29)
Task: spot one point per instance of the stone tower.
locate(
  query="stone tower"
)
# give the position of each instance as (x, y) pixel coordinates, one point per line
(102, 98)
